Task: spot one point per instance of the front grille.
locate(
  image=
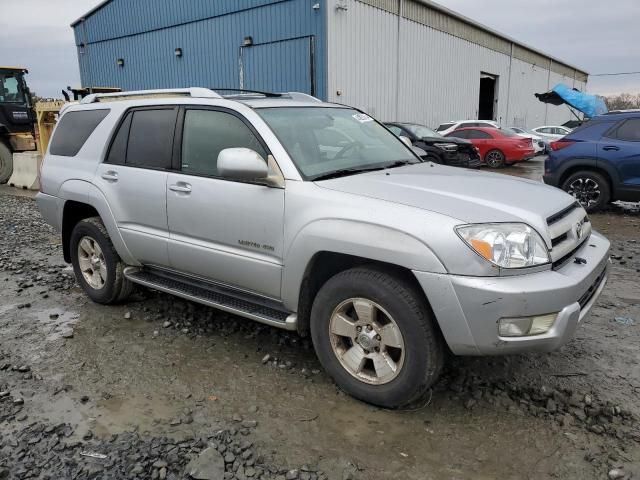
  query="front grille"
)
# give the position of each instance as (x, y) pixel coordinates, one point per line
(556, 217)
(559, 239)
(562, 260)
(588, 295)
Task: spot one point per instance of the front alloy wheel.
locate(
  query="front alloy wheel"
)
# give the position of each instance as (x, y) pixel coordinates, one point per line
(367, 341)
(495, 159)
(374, 333)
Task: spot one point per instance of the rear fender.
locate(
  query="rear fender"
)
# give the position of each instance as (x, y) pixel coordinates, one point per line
(85, 192)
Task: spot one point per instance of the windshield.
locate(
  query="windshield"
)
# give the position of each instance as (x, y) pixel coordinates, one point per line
(10, 89)
(444, 126)
(420, 131)
(322, 140)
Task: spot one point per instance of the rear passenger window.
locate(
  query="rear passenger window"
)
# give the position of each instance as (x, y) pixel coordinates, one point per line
(118, 151)
(206, 133)
(629, 130)
(73, 131)
(151, 138)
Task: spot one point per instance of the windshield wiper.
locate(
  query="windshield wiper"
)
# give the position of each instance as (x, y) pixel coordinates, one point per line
(343, 172)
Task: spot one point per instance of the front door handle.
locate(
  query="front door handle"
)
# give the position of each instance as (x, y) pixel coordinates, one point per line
(611, 147)
(110, 176)
(180, 187)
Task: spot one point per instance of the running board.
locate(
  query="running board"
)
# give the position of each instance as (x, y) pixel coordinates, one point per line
(222, 298)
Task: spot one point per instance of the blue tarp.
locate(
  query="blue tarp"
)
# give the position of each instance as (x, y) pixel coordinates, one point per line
(590, 105)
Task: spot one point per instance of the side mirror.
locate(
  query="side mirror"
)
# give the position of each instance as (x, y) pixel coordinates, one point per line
(242, 164)
(406, 141)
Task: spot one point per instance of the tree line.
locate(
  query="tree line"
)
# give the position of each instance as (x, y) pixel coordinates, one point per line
(624, 101)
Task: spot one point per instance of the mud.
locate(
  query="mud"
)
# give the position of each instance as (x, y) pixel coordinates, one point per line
(160, 368)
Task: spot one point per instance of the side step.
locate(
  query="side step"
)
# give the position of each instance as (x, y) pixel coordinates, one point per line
(239, 303)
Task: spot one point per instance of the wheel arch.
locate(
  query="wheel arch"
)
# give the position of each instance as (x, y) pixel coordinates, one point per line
(83, 200)
(316, 255)
(590, 168)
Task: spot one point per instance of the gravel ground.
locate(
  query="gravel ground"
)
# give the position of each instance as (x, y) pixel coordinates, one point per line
(162, 388)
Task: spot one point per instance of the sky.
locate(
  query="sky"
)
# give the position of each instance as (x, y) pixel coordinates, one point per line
(597, 36)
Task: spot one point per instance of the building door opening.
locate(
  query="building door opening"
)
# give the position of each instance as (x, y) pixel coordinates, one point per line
(279, 66)
(488, 90)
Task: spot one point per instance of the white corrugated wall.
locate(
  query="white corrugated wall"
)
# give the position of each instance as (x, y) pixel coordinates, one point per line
(397, 69)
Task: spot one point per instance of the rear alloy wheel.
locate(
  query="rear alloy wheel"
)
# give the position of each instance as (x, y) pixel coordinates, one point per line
(494, 159)
(374, 333)
(6, 163)
(98, 268)
(591, 189)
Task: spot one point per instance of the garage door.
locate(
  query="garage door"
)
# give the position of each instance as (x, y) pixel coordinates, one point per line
(281, 66)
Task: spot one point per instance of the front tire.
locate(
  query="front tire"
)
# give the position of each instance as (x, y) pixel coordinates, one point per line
(96, 264)
(591, 189)
(495, 159)
(6, 163)
(374, 333)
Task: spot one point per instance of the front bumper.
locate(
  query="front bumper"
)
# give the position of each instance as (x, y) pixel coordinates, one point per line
(468, 308)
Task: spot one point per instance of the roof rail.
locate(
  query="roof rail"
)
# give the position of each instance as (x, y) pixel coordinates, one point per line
(196, 92)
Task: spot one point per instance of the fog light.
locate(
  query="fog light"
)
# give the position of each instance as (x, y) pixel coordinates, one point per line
(526, 326)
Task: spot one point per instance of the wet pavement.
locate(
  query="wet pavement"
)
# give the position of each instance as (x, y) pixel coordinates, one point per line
(151, 383)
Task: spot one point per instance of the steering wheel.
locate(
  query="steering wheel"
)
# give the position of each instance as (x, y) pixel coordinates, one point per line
(347, 148)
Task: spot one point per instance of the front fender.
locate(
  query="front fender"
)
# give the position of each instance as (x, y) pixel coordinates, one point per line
(87, 193)
(349, 237)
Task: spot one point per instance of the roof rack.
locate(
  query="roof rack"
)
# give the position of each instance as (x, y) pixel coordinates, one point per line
(196, 92)
(629, 110)
(242, 93)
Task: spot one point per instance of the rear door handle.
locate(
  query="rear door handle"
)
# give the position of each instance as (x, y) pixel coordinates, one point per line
(110, 176)
(180, 187)
(611, 147)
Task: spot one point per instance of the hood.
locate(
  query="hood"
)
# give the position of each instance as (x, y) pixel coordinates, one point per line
(470, 196)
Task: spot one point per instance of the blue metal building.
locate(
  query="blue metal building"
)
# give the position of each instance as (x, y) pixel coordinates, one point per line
(275, 45)
(406, 60)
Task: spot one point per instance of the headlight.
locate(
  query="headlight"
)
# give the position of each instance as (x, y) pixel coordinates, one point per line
(449, 147)
(507, 245)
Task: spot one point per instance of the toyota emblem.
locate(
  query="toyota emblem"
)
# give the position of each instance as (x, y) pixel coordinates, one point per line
(579, 229)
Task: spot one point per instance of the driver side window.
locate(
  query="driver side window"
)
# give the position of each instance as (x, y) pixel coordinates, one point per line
(206, 133)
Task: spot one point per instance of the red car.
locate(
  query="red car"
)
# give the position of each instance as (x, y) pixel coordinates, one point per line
(497, 147)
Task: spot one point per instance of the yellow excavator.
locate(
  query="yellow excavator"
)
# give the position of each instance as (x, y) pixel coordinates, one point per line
(25, 127)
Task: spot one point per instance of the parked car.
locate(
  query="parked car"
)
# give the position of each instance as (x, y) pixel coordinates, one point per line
(454, 152)
(551, 132)
(540, 145)
(448, 127)
(498, 147)
(598, 162)
(253, 204)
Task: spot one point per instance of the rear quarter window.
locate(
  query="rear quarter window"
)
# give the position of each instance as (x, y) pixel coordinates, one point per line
(73, 131)
(590, 131)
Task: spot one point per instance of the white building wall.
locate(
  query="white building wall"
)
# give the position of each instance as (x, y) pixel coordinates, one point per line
(397, 69)
(362, 64)
(440, 76)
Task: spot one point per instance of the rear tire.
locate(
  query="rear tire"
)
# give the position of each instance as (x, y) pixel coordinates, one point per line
(6, 163)
(394, 363)
(96, 264)
(495, 159)
(591, 189)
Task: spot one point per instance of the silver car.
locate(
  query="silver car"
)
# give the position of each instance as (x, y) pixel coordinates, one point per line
(313, 217)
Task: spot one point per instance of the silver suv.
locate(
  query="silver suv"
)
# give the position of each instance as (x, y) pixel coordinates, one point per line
(313, 217)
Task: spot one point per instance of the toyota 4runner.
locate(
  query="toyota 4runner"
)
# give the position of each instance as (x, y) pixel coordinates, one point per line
(313, 217)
